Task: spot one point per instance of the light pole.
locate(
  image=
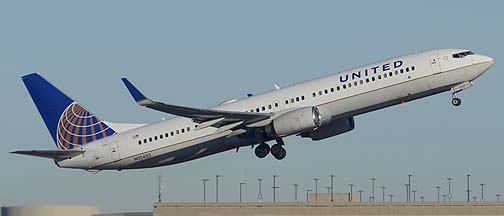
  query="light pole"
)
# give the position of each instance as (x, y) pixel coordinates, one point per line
(498, 197)
(468, 189)
(391, 196)
(407, 192)
(217, 188)
(259, 194)
(474, 198)
(421, 199)
(350, 198)
(328, 189)
(414, 195)
(316, 189)
(449, 188)
(160, 188)
(204, 188)
(360, 195)
(274, 188)
(383, 193)
(438, 192)
(307, 194)
(482, 195)
(444, 197)
(332, 187)
(241, 183)
(409, 187)
(372, 192)
(295, 192)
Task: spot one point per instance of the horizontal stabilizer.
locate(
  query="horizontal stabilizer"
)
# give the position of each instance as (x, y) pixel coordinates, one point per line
(51, 154)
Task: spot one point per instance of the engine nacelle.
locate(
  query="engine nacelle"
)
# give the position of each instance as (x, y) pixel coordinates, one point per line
(297, 121)
(335, 127)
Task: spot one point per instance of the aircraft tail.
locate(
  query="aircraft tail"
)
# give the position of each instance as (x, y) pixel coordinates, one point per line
(69, 124)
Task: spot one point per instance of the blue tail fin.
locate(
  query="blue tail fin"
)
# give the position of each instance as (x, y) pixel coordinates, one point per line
(69, 124)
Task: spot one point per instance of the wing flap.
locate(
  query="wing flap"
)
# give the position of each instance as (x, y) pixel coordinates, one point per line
(51, 154)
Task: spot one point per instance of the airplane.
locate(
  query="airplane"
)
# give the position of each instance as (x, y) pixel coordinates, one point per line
(317, 109)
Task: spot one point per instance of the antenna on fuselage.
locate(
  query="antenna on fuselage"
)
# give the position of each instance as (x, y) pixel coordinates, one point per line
(277, 87)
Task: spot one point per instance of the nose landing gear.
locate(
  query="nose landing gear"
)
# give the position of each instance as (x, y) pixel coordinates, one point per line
(458, 88)
(456, 101)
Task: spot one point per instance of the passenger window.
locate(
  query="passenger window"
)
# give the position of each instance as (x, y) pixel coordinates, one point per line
(407, 69)
(171, 133)
(344, 86)
(276, 104)
(332, 89)
(349, 85)
(355, 83)
(183, 131)
(150, 139)
(177, 131)
(286, 101)
(166, 135)
(302, 97)
(320, 92)
(155, 137)
(188, 129)
(139, 142)
(257, 109)
(263, 108)
(402, 71)
(396, 73)
(337, 88)
(373, 79)
(379, 76)
(161, 136)
(325, 91)
(269, 106)
(385, 75)
(367, 80)
(361, 82)
(390, 74)
(412, 68)
(314, 94)
(292, 100)
(297, 99)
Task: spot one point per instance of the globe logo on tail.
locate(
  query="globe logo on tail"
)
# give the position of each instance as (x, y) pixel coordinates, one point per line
(77, 127)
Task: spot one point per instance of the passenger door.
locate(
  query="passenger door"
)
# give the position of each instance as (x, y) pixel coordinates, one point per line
(435, 64)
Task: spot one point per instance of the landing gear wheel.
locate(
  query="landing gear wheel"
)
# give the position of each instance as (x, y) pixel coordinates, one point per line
(262, 150)
(278, 151)
(456, 101)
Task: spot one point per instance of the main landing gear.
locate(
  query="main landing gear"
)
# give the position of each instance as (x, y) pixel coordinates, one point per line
(277, 150)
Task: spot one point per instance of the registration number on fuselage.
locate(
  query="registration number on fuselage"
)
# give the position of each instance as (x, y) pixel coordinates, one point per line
(142, 157)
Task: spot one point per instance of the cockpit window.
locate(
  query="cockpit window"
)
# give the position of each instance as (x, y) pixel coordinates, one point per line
(462, 54)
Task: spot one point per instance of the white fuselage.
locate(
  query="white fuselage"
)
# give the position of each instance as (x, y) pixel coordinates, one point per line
(344, 94)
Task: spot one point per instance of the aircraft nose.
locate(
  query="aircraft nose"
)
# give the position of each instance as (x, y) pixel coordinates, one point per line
(487, 59)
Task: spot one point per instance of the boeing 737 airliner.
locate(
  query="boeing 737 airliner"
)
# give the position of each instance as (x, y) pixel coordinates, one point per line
(316, 109)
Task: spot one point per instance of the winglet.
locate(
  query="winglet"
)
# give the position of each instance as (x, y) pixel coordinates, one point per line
(135, 93)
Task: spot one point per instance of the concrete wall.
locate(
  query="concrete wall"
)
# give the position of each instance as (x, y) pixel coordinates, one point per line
(49, 210)
(127, 214)
(327, 208)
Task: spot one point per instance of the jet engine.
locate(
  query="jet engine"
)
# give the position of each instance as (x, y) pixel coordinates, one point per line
(297, 121)
(335, 127)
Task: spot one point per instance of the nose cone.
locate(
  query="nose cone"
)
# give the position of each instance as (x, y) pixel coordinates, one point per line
(487, 59)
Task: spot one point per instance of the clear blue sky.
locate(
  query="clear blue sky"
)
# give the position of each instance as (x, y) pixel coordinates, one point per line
(198, 53)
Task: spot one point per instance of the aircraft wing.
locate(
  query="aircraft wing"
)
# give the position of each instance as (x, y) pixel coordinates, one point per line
(198, 115)
(52, 154)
